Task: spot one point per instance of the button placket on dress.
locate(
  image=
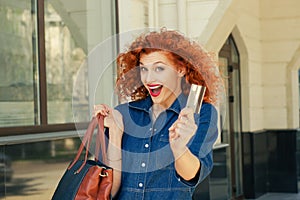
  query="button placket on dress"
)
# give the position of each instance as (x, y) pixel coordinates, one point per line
(143, 164)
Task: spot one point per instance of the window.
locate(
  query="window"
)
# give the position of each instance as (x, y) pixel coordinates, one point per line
(64, 56)
(43, 45)
(18, 83)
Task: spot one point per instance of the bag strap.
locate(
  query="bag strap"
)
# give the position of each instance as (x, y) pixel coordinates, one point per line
(86, 142)
(100, 139)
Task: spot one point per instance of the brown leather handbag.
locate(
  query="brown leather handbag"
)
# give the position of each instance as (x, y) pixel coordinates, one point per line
(87, 179)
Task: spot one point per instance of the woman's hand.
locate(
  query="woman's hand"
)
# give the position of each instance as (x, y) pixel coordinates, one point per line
(114, 121)
(183, 129)
(112, 118)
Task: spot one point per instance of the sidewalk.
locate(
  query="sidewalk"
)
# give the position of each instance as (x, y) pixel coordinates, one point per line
(34, 180)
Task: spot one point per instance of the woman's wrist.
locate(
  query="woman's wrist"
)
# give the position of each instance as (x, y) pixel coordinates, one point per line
(114, 153)
(179, 151)
(114, 159)
(115, 136)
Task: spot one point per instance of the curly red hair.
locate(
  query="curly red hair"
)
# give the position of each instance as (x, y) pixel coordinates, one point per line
(187, 55)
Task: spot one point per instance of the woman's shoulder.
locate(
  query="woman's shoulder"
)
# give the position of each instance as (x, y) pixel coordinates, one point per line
(208, 111)
(141, 104)
(122, 107)
(208, 106)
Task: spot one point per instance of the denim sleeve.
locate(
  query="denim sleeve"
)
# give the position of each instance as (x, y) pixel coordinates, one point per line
(201, 145)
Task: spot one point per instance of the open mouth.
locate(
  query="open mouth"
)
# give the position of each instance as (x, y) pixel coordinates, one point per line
(155, 89)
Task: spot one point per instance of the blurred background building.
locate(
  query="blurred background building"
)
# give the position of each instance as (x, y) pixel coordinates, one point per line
(57, 60)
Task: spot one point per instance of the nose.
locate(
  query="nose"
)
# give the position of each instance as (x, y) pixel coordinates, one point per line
(149, 76)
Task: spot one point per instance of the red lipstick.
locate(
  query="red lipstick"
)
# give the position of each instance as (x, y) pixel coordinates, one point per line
(154, 89)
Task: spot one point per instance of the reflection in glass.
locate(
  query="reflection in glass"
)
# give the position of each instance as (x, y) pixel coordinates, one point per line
(17, 64)
(225, 122)
(6, 171)
(237, 122)
(37, 168)
(237, 133)
(64, 57)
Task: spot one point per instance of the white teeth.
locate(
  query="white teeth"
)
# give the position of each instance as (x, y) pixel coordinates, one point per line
(154, 87)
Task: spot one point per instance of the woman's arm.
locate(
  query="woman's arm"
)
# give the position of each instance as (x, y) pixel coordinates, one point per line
(113, 120)
(193, 156)
(114, 158)
(186, 164)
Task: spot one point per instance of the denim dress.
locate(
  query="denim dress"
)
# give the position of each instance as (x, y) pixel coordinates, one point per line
(148, 170)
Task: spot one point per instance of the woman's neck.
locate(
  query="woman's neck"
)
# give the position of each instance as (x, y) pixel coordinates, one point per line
(170, 100)
(156, 110)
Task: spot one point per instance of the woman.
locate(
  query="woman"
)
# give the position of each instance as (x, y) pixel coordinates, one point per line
(158, 148)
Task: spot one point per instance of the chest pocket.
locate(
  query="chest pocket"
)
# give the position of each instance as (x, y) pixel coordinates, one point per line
(164, 155)
(164, 138)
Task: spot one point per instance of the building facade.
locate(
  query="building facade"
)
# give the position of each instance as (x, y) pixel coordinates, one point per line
(57, 56)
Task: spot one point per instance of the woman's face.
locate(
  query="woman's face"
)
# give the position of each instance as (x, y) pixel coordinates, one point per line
(160, 77)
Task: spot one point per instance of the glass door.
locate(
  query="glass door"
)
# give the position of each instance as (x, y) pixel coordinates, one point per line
(231, 125)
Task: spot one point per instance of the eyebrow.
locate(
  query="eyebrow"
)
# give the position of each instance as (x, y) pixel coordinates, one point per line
(158, 62)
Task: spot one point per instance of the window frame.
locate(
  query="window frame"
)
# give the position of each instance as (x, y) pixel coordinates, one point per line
(43, 126)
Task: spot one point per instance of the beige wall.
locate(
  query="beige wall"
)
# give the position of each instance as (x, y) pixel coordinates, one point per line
(249, 25)
(133, 14)
(280, 25)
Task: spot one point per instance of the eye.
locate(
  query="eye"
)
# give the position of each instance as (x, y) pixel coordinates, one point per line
(159, 68)
(143, 69)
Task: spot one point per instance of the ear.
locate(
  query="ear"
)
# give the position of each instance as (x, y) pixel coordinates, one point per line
(181, 73)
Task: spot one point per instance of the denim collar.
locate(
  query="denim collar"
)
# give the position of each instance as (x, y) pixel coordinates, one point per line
(146, 104)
